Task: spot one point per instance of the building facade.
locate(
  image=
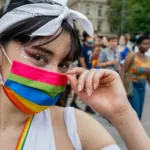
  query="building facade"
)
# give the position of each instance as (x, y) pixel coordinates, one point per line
(96, 11)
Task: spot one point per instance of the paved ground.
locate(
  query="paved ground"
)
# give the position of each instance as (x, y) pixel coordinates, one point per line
(145, 122)
(112, 130)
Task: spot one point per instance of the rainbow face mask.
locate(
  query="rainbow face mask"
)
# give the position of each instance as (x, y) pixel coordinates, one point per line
(33, 90)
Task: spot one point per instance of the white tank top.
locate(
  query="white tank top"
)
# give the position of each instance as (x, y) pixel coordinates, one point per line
(41, 136)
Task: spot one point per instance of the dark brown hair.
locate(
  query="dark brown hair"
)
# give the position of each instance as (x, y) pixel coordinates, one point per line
(21, 32)
(113, 37)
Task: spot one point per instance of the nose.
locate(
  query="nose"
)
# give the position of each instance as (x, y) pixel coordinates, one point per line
(52, 68)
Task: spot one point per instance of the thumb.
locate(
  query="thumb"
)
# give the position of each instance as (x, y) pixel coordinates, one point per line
(73, 82)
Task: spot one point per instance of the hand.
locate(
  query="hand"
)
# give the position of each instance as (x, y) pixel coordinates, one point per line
(101, 89)
(112, 62)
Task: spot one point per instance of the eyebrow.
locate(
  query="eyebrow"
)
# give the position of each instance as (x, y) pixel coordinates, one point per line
(50, 52)
(44, 50)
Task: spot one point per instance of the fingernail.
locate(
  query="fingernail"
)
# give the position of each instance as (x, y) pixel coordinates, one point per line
(88, 92)
(95, 86)
(79, 88)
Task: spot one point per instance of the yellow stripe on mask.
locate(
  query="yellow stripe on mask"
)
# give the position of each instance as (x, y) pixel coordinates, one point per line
(34, 107)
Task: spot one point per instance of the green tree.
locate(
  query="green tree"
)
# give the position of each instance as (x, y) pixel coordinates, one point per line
(114, 15)
(137, 15)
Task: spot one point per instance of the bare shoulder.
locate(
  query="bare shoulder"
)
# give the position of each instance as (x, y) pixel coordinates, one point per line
(57, 113)
(92, 133)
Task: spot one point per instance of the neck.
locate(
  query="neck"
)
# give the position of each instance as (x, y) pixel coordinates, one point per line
(10, 116)
(141, 53)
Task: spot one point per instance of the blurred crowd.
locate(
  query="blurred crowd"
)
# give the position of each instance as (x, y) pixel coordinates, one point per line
(129, 56)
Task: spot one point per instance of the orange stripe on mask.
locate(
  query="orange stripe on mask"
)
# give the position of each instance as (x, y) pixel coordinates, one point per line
(16, 101)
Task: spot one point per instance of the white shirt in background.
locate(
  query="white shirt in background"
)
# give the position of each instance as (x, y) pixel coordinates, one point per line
(136, 49)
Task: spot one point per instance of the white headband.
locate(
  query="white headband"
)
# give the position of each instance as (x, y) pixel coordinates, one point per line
(50, 8)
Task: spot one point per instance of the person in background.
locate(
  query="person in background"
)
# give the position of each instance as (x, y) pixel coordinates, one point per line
(87, 52)
(97, 41)
(136, 49)
(129, 42)
(109, 57)
(85, 61)
(123, 49)
(95, 33)
(96, 52)
(86, 58)
(137, 36)
(104, 42)
(138, 64)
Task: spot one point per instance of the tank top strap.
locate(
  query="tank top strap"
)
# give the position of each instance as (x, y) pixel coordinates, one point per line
(40, 135)
(71, 125)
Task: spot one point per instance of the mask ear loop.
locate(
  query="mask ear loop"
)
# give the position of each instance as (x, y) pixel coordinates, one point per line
(1, 111)
(1, 79)
(5, 54)
(1, 99)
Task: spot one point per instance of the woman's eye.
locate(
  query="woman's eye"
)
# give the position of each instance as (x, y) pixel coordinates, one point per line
(37, 57)
(40, 58)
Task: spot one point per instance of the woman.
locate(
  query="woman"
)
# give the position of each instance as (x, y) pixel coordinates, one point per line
(37, 45)
(97, 41)
(96, 52)
(26, 68)
(138, 64)
(122, 48)
(104, 42)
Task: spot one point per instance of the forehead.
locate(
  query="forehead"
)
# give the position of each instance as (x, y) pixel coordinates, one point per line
(60, 45)
(122, 37)
(97, 39)
(113, 40)
(146, 41)
(60, 37)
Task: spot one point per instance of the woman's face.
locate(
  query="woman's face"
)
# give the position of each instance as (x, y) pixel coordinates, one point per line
(122, 40)
(96, 51)
(97, 41)
(144, 46)
(48, 57)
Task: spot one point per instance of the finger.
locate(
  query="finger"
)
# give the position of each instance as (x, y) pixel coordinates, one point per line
(96, 78)
(73, 82)
(77, 70)
(89, 81)
(106, 75)
(81, 80)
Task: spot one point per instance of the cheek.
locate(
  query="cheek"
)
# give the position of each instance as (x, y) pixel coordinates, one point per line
(18, 55)
(114, 43)
(15, 54)
(146, 47)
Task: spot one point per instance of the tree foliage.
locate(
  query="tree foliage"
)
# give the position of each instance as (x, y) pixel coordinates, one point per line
(137, 16)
